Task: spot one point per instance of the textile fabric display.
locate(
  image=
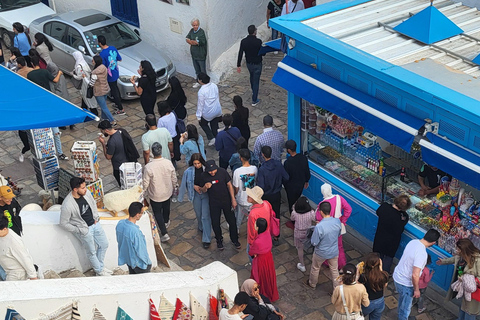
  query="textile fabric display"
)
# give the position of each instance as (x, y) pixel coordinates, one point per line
(13, 315)
(198, 311)
(166, 309)
(122, 315)
(75, 313)
(182, 312)
(153, 311)
(229, 301)
(97, 315)
(213, 311)
(63, 313)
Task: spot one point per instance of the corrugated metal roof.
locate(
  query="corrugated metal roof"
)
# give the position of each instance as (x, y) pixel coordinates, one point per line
(368, 27)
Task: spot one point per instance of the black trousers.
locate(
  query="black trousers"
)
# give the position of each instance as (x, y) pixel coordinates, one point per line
(216, 213)
(275, 200)
(137, 270)
(115, 94)
(116, 174)
(223, 163)
(161, 211)
(293, 193)
(212, 130)
(24, 137)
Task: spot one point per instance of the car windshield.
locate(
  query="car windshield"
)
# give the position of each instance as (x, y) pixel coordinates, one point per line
(15, 4)
(118, 35)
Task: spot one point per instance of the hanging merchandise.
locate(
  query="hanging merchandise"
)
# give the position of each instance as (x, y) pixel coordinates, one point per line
(229, 301)
(213, 310)
(166, 309)
(122, 315)
(63, 313)
(86, 160)
(130, 175)
(42, 143)
(153, 311)
(96, 189)
(97, 315)
(75, 313)
(13, 315)
(47, 172)
(182, 312)
(198, 311)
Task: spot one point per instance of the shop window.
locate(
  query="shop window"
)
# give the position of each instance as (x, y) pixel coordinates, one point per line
(126, 10)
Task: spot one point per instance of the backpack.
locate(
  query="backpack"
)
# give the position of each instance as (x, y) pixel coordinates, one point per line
(130, 149)
(179, 125)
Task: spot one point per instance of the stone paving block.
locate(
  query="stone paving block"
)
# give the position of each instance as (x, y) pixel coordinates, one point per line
(330, 309)
(193, 258)
(317, 315)
(353, 254)
(181, 248)
(423, 316)
(280, 270)
(240, 258)
(391, 302)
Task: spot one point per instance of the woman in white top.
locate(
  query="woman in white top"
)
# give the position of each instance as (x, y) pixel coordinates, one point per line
(168, 120)
(83, 72)
(43, 47)
(209, 110)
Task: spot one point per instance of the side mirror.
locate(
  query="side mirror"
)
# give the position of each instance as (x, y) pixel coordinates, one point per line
(137, 32)
(81, 49)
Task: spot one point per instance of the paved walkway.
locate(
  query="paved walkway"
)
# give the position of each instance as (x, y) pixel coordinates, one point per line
(185, 246)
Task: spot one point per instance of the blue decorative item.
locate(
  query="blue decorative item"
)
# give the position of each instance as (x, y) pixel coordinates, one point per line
(429, 26)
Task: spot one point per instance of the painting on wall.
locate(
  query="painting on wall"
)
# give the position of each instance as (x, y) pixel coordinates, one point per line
(187, 2)
(167, 1)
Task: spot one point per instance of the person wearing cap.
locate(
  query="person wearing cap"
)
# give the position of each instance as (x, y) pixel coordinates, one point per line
(113, 149)
(260, 209)
(270, 137)
(303, 215)
(298, 171)
(217, 182)
(14, 256)
(10, 208)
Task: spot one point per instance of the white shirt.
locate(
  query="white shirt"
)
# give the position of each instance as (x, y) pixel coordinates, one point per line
(243, 178)
(224, 315)
(15, 258)
(208, 105)
(299, 6)
(414, 255)
(168, 122)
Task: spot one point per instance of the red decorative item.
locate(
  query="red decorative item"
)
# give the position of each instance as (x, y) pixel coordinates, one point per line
(182, 312)
(153, 311)
(213, 310)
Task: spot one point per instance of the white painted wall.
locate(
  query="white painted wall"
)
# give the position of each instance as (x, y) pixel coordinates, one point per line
(54, 248)
(224, 21)
(130, 292)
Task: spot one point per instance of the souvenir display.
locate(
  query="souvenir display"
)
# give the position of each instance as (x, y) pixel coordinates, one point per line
(130, 174)
(85, 160)
(96, 189)
(46, 171)
(41, 143)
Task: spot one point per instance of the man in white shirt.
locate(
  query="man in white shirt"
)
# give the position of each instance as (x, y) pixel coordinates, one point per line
(407, 273)
(292, 6)
(240, 303)
(209, 110)
(243, 178)
(14, 256)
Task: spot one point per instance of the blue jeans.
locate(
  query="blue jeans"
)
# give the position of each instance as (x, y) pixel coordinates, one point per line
(274, 34)
(102, 102)
(56, 138)
(3, 274)
(240, 213)
(405, 299)
(255, 73)
(202, 210)
(200, 66)
(375, 309)
(462, 315)
(95, 243)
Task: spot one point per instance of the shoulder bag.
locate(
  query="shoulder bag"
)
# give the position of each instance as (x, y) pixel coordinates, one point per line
(349, 316)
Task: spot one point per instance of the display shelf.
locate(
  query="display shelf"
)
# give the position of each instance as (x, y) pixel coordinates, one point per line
(96, 189)
(64, 177)
(42, 143)
(47, 172)
(130, 174)
(85, 160)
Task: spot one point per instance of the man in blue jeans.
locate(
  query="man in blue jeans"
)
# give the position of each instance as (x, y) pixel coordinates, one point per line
(79, 216)
(251, 45)
(407, 273)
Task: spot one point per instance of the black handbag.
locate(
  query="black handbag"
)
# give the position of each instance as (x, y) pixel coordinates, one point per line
(89, 92)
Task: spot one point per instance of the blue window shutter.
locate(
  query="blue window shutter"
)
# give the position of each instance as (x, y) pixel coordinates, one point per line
(126, 10)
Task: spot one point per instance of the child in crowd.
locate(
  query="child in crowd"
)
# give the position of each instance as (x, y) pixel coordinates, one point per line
(240, 303)
(303, 215)
(425, 278)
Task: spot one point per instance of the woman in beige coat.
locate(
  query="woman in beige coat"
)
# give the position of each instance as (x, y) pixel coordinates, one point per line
(467, 261)
(98, 81)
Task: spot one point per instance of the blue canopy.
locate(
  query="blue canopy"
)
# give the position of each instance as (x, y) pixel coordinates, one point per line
(374, 115)
(270, 46)
(25, 105)
(453, 159)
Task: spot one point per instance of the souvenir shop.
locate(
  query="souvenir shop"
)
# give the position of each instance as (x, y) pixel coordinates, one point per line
(370, 106)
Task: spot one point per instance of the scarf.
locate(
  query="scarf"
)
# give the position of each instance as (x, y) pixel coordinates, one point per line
(326, 190)
(247, 286)
(262, 244)
(80, 60)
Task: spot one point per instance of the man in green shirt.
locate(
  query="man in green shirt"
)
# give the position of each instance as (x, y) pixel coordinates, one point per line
(197, 40)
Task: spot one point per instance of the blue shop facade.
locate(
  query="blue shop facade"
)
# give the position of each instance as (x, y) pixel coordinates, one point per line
(369, 119)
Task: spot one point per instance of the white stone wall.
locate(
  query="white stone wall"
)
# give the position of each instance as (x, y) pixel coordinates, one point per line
(225, 22)
(130, 292)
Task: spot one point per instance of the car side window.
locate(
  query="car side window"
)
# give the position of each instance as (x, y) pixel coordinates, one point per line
(73, 38)
(55, 30)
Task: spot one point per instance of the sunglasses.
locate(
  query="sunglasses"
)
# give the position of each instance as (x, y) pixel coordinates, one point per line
(256, 288)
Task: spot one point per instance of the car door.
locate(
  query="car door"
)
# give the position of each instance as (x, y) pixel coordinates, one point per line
(73, 41)
(55, 31)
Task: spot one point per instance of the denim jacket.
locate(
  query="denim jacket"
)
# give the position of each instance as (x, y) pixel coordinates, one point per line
(187, 184)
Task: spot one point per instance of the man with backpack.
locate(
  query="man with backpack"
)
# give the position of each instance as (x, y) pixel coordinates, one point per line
(116, 148)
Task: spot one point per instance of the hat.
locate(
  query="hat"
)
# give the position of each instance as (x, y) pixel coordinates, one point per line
(6, 192)
(211, 166)
(256, 193)
(302, 205)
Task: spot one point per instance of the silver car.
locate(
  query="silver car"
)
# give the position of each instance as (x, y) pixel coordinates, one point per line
(79, 31)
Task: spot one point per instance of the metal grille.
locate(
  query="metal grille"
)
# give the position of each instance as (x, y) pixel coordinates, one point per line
(386, 97)
(331, 71)
(451, 130)
(418, 112)
(357, 83)
(476, 142)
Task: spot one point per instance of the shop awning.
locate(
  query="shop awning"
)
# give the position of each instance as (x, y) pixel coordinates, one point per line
(374, 115)
(25, 105)
(452, 158)
(270, 46)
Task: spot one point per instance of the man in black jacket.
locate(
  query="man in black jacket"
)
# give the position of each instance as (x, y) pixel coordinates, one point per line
(251, 45)
(297, 168)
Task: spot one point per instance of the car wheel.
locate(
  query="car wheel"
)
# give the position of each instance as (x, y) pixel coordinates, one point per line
(7, 39)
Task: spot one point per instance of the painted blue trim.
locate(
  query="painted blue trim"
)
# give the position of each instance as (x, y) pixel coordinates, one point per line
(294, 118)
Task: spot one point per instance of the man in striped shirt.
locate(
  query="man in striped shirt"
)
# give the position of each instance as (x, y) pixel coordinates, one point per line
(270, 137)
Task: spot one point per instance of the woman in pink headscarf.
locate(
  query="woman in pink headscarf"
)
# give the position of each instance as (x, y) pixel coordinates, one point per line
(341, 210)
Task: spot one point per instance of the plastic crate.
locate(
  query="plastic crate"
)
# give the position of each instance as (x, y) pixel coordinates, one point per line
(85, 160)
(130, 174)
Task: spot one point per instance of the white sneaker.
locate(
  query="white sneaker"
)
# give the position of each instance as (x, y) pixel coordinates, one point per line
(196, 85)
(21, 157)
(103, 274)
(167, 224)
(165, 238)
(212, 142)
(301, 267)
(40, 272)
(107, 270)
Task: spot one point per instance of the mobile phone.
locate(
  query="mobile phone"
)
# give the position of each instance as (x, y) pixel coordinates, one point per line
(249, 317)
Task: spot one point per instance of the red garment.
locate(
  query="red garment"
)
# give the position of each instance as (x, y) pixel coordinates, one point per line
(264, 211)
(213, 310)
(263, 267)
(153, 311)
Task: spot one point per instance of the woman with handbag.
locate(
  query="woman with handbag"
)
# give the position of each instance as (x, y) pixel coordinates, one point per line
(99, 85)
(349, 297)
(191, 142)
(375, 280)
(466, 261)
(80, 79)
(341, 210)
(259, 306)
(263, 267)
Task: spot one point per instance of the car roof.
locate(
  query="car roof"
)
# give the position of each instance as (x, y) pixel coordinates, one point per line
(87, 19)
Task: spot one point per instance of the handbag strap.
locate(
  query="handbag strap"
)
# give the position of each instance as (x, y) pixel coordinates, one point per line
(338, 207)
(344, 303)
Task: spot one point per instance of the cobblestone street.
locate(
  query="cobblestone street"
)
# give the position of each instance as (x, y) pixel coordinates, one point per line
(185, 245)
